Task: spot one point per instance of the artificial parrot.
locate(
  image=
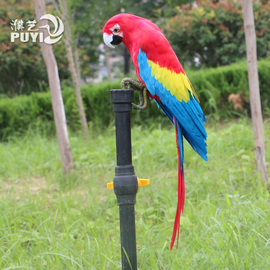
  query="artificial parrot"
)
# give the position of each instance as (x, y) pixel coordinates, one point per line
(165, 81)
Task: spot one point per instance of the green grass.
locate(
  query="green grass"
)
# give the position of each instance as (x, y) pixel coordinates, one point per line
(48, 221)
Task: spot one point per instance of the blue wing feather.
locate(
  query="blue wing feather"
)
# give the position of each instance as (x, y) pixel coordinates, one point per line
(189, 114)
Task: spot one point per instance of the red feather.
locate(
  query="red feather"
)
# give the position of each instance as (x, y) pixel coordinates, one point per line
(181, 193)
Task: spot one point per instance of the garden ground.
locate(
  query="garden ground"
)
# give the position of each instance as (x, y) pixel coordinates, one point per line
(49, 221)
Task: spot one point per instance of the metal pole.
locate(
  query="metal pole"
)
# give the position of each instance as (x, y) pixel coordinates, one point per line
(125, 182)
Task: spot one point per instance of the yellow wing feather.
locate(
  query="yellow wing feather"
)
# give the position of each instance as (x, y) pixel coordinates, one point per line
(177, 83)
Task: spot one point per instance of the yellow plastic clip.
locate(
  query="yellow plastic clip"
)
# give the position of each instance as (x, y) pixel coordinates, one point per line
(110, 185)
(141, 183)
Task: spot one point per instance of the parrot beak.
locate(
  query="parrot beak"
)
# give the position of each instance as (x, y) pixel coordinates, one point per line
(111, 40)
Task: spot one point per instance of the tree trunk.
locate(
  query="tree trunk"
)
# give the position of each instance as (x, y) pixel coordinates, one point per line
(254, 91)
(108, 63)
(77, 64)
(126, 60)
(55, 88)
(72, 68)
(76, 84)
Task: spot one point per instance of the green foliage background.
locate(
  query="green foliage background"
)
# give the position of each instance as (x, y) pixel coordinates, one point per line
(22, 67)
(212, 85)
(213, 32)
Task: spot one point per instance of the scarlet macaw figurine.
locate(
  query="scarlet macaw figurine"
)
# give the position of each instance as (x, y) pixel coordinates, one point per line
(162, 77)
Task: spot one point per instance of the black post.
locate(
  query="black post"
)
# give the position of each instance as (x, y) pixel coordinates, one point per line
(125, 181)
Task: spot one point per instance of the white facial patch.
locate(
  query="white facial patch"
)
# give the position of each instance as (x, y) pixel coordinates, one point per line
(117, 26)
(116, 30)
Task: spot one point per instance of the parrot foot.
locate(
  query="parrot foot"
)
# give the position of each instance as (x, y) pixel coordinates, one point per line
(128, 83)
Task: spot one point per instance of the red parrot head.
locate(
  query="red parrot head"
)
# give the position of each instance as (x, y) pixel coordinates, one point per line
(113, 31)
(124, 28)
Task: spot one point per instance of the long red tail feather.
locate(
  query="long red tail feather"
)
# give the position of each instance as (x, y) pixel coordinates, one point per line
(181, 193)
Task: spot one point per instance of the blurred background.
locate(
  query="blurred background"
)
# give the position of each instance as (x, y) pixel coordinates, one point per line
(202, 33)
(206, 35)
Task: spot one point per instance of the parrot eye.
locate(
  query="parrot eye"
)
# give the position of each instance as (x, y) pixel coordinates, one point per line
(115, 29)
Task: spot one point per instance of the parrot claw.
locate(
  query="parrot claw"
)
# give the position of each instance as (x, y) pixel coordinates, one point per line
(128, 83)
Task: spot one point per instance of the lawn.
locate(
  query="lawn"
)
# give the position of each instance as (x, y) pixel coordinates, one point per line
(49, 221)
